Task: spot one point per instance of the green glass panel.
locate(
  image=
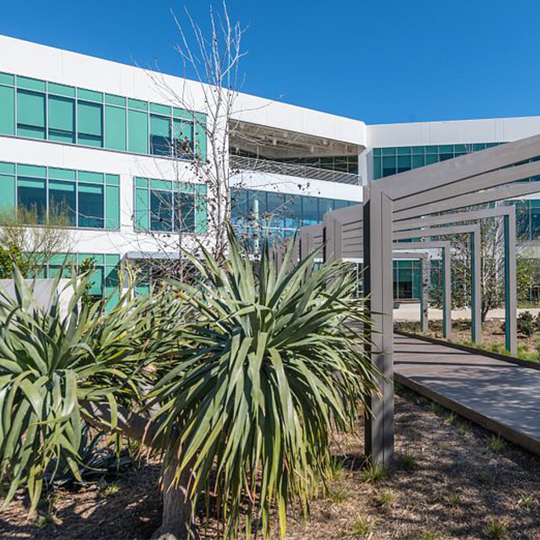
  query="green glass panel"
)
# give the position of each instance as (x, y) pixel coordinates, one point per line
(61, 119)
(142, 210)
(142, 289)
(91, 177)
(432, 158)
(377, 167)
(7, 78)
(460, 148)
(112, 259)
(201, 210)
(62, 258)
(388, 151)
(138, 132)
(90, 124)
(183, 137)
(111, 99)
(115, 128)
(31, 114)
(96, 282)
(7, 168)
(419, 150)
(90, 95)
(141, 182)
(376, 151)
(161, 184)
(7, 192)
(31, 84)
(7, 110)
(200, 136)
(404, 163)
(432, 149)
(62, 174)
(97, 258)
(160, 109)
(418, 161)
(112, 179)
(138, 104)
(62, 90)
(160, 135)
(32, 170)
(404, 150)
(112, 207)
(182, 114)
(478, 146)
(446, 148)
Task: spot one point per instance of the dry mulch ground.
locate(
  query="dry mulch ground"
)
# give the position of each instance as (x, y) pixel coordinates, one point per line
(449, 482)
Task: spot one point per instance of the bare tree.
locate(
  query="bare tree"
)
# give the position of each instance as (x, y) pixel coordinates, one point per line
(37, 237)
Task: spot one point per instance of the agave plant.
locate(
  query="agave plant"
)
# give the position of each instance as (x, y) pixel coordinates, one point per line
(270, 367)
(52, 363)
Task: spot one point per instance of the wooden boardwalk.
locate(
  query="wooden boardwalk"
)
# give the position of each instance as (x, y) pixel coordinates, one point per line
(499, 395)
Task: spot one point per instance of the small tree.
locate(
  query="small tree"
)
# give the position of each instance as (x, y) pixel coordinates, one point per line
(32, 239)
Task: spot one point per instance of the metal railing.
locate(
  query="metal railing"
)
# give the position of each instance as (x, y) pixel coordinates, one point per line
(291, 169)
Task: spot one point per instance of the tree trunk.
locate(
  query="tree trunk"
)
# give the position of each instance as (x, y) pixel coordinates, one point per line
(178, 512)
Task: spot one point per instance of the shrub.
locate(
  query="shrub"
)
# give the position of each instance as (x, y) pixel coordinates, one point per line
(526, 323)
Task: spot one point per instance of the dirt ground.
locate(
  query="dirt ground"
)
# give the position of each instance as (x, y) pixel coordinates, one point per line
(452, 480)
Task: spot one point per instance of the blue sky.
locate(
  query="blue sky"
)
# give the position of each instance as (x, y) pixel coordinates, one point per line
(379, 61)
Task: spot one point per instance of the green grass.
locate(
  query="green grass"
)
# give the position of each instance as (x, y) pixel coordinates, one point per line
(484, 478)
(337, 496)
(373, 474)
(361, 527)
(428, 535)
(464, 430)
(496, 444)
(496, 529)
(384, 499)
(450, 418)
(454, 499)
(525, 501)
(111, 489)
(407, 460)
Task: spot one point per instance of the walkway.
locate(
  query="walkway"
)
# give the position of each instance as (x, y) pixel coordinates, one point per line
(501, 396)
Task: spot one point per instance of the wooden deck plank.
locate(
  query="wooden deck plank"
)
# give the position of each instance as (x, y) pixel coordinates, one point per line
(501, 396)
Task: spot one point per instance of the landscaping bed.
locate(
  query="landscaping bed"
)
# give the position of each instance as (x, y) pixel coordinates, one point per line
(452, 480)
(493, 337)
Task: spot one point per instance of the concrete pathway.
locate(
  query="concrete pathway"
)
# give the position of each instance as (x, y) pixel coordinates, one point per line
(501, 396)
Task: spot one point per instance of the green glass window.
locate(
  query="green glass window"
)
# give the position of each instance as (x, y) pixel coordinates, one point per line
(183, 138)
(184, 212)
(63, 200)
(115, 128)
(161, 210)
(90, 124)
(138, 132)
(91, 205)
(160, 135)
(7, 110)
(7, 191)
(31, 114)
(32, 195)
(61, 119)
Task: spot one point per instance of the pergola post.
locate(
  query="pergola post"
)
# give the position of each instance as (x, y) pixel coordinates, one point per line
(510, 281)
(379, 427)
(446, 287)
(476, 287)
(424, 302)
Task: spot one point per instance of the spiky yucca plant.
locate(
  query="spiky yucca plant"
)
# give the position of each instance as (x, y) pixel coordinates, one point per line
(52, 362)
(271, 367)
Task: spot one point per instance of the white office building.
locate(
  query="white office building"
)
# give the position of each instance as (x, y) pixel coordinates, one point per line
(110, 144)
